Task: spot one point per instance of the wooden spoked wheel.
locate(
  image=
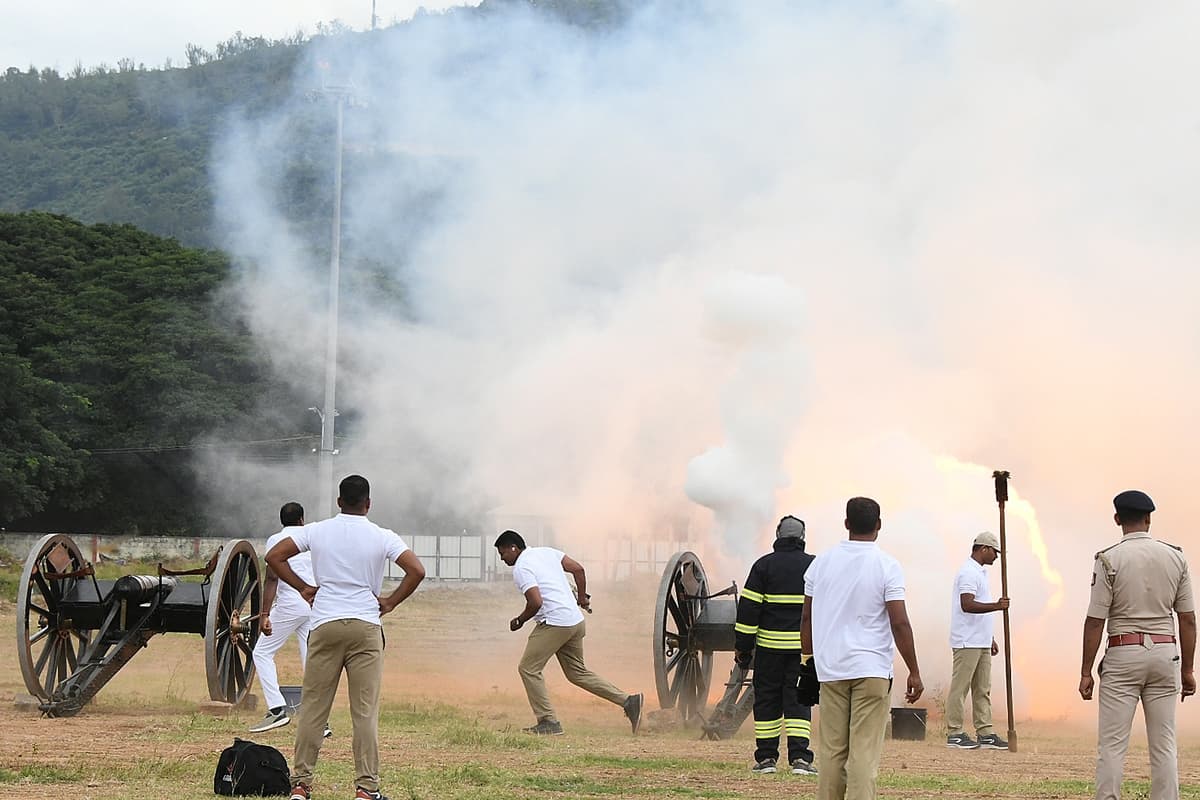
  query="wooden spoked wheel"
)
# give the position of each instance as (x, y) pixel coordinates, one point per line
(232, 622)
(682, 671)
(48, 643)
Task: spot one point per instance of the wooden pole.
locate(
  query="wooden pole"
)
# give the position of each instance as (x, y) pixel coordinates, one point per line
(1001, 478)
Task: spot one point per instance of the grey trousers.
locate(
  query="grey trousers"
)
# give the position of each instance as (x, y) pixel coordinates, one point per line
(1129, 674)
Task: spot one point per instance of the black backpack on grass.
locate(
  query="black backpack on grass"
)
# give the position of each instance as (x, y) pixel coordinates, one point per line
(249, 768)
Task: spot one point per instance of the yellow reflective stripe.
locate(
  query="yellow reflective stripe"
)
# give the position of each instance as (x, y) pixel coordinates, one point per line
(798, 727)
(778, 640)
(752, 595)
(767, 729)
(742, 627)
(784, 598)
(791, 636)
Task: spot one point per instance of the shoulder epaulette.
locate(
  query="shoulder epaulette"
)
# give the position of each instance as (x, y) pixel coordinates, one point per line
(1110, 547)
(1173, 546)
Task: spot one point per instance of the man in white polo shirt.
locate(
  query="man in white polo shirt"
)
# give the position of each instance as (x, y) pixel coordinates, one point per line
(854, 621)
(349, 554)
(540, 574)
(973, 645)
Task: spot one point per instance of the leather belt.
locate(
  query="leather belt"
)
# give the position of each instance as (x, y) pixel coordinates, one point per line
(1137, 638)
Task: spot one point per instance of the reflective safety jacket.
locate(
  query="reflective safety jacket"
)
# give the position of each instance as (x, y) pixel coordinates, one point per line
(772, 601)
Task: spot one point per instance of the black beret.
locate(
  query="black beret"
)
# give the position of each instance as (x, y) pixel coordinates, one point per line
(1134, 501)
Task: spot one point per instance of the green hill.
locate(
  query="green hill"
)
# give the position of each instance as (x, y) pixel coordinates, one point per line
(132, 145)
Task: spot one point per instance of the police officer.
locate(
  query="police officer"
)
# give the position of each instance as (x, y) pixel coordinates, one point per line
(1137, 585)
(769, 612)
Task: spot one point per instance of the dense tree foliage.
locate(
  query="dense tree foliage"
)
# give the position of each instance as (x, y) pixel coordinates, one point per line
(114, 359)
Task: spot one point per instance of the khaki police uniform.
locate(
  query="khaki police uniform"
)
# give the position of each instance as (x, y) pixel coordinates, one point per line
(1138, 585)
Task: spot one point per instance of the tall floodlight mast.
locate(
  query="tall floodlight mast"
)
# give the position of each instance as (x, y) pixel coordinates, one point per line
(328, 413)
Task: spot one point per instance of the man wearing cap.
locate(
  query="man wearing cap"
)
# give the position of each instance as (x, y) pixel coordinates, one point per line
(973, 645)
(1139, 585)
(769, 613)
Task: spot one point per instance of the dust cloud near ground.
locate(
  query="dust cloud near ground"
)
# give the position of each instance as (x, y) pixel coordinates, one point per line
(449, 648)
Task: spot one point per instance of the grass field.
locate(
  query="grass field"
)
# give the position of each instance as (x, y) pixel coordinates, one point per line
(450, 721)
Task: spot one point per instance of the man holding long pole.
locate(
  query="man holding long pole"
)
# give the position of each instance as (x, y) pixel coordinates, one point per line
(1001, 478)
(972, 646)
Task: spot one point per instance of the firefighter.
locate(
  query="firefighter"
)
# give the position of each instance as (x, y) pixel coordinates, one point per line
(768, 631)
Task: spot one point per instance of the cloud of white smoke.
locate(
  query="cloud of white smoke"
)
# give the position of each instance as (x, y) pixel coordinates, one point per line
(768, 256)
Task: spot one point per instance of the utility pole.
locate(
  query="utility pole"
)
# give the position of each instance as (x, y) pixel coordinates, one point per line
(328, 413)
(374, 19)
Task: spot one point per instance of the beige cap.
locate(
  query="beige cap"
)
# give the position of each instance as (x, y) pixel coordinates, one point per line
(987, 539)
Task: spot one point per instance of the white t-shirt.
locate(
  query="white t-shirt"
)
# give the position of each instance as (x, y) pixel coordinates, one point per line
(542, 567)
(349, 553)
(970, 630)
(288, 600)
(851, 632)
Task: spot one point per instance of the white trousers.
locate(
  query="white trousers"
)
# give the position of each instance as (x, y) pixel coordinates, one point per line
(283, 625)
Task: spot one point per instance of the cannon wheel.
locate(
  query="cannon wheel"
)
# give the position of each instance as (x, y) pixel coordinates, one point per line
(48, 647)
(232, 622)
(682, 672)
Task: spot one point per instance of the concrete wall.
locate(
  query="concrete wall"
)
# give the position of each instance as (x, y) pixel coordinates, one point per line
(127, 548)
(455, 558)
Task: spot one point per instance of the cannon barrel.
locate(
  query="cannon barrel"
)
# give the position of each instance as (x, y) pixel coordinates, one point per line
(143, 588)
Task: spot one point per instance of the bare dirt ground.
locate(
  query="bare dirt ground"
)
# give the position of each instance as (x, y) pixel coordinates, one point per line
(450, 646)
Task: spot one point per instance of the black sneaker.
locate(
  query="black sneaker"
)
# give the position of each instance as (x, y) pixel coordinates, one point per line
(327, 732)
(962, 742)
(545, 727)
(764, 767)
(633, 710)
(802, 767)
(366, 794)
(991, 741)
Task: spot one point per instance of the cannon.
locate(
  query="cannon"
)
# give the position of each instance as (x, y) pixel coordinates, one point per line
(75, 632)
(691, 622)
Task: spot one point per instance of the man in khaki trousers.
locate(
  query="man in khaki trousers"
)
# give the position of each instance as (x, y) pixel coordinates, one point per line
(349, 553)
(854, 621)
(540, 575)
(972, 646)
(1139, 585)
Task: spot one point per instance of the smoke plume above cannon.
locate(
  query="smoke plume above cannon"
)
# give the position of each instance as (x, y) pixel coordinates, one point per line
(728, 261)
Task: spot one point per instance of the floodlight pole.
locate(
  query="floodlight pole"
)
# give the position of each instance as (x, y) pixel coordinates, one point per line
(329, 414)
(1001, 477)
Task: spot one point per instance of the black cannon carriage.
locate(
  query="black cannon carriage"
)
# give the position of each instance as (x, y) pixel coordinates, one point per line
(691, 622)
(75, 631)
